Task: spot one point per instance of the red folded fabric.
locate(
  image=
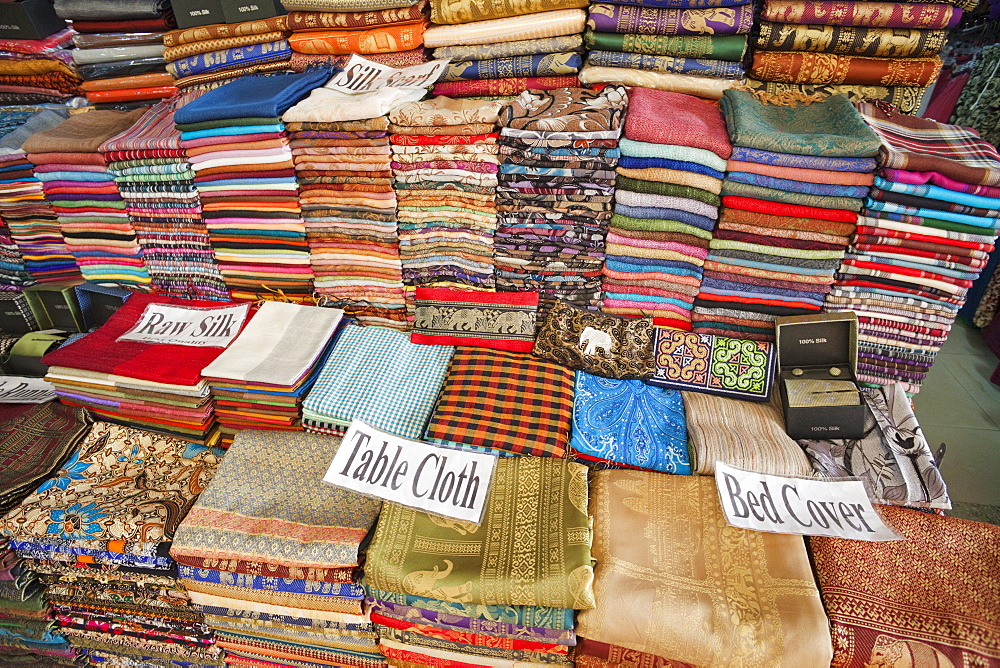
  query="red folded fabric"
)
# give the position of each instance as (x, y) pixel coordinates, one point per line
(663, 117)
(510, 86)
(781, 209)
(129, 94)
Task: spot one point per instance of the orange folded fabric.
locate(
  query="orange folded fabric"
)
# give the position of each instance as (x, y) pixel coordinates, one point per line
(828, 68)
(385, 39)
(129, 94)
(137, 81)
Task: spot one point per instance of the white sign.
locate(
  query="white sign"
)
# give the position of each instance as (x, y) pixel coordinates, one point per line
(20, 390)
(804, 506)
(442, 481)
(363, 76)
(209, 327)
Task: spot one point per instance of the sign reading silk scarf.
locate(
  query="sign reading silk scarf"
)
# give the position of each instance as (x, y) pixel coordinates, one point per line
(714, 364)
(501, 321)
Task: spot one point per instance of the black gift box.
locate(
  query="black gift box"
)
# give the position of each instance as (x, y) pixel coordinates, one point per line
(55, 305)
(191, 13)
(16, 316)
(29, 19)
(821, 351)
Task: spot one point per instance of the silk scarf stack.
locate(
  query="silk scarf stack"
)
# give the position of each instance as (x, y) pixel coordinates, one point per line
(318, 29)
(794, 183)
(923, 238)
(38, 71)
(666, 204)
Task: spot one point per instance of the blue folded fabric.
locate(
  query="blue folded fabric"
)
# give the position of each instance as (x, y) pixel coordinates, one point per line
(790, 185)
(630, 264)
(664, 163)
(253, 96)
(763, 157)
(237, 57)
(937, 192)
(702, 222)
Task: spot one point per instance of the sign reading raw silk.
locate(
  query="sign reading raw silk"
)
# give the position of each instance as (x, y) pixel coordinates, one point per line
(208, 327)
(441, 481)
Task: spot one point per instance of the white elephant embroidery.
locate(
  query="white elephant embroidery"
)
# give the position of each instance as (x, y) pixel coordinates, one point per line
(592, 340)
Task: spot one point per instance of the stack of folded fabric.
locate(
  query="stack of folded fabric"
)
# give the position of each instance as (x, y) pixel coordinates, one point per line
(501, 593)
(119, 39)
(34, 442)
(153, 386)
(34, 227)
(559, 152)
(376, 375)
(866, 50)
(99, 532)
(684, 46)
(444, 165)
(211, 55)
(924, 236)
(340, 146)
(505, 48)
(259, 382)
(393, 32)
(157, 183)
(796, 179)
(84, 196)
(12, 271)
(238, 148)
(273, 565)
(666, 203)
(38, 70)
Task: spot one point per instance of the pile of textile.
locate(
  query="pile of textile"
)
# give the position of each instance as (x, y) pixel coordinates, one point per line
(238, 148)
(501, 593)
(866, 50)
(376, 375)
(666, 204)
(444, 164)
(924, 236)
(119, 48)
(555, 190)
(505, 48)
(153, 386)
(342, 157)
(33, 225)
(273, 564)
(35, 440)
(13, 273)
(795, 181)
(36, 71)
(662, 545)
(391, 33)
(211, 55)
(83, 194)
(157, 184)
(684, 46)
(98, 534)
(260, 380)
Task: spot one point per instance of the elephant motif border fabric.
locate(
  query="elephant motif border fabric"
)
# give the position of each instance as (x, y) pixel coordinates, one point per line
(714, 364)
(497, 320)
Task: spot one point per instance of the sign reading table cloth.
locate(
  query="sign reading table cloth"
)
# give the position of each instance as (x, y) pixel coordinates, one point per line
(714, 364)
(498, 320)
(604, 345)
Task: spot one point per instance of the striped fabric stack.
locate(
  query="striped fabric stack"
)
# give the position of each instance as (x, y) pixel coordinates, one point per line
(924, 236)
(38, 71)
(157, 184)
(666, 204)
(796, 179)
(444, 167)
(85, 198)
(238, 148)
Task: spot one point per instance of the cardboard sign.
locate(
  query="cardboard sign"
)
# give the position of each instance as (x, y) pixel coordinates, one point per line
(441, 481)
(188, 325)
(21, 390)
(364, 76)
(806, 506)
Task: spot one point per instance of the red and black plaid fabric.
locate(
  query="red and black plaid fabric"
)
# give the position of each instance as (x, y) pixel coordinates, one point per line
(506, 401)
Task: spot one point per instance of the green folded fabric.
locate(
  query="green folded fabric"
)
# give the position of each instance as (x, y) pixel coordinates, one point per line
(669, 189)
(228, 122)
(642, 149)
(718, 47)
(656, 225)
(820, 201)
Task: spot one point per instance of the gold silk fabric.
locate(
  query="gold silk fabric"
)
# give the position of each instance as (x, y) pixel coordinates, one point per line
(467, 11)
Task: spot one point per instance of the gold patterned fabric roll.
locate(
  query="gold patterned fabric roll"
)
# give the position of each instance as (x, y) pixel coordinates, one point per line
(851, 40)
(450, 12)
(827, 68)
(906, 99)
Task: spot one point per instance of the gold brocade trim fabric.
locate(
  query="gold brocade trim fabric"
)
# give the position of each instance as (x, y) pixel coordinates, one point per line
(907, 99)
(851, 40)
(828, 68)
(467, 11)
(675, 581)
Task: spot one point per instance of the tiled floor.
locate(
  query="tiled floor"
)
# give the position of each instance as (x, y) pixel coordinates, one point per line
(959, 406)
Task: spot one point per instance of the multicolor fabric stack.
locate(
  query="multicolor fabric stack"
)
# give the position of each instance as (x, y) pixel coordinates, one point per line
(116, 41)
(666, 205)
(259, 382)
(153, 386)
(34, 71)
(238, 148)
(502, 593)
(505, 48)
(399, 398)
(924, 236)
(444, 164)
(157, 183)
(35, 440)
(866, 50)
(684, 46)
(559, 152)
(98, 534)
(273, 564)
(796, 179)
(84, 196)
(13, 273)
(33, 225)
(343, 161)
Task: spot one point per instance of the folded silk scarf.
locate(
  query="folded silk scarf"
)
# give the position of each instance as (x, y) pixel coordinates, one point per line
(607, 17)
(695, 66)
(255, 96)
(505, 86)
(445, 12)
(383, 39)
(330, 20)
(540, 65)
(923, 16)
(716, 47)
(851, 41)
(521, 47)
(705, 87)
(662, 117)
(829, 68)
(243, 56)
(516, 28)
